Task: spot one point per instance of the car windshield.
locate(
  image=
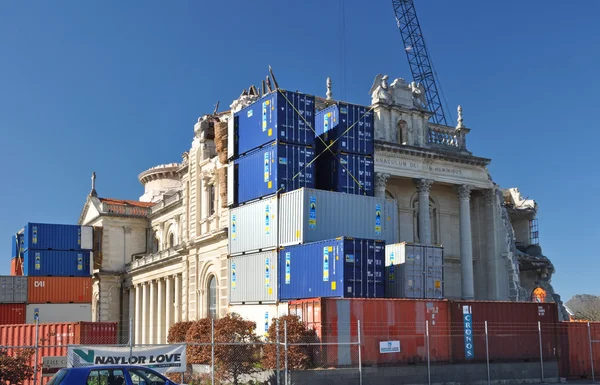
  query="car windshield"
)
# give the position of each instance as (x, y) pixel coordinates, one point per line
(58, 377)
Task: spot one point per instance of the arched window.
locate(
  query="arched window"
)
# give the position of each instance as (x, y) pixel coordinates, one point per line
(433, 221)
(212, 297)
(388, 195)
(171, 240)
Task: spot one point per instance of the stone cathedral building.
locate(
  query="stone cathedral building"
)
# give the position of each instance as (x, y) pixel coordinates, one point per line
(163, 259)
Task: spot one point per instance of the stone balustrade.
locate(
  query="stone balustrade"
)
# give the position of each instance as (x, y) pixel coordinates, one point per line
(447, 137)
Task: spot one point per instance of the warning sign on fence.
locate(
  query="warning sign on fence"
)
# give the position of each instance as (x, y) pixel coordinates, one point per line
(162, 358)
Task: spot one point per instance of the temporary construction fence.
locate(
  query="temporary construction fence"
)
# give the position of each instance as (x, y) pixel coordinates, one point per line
(357, 352)
(48, 342)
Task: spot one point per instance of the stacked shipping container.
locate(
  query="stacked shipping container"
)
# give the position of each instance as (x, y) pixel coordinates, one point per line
(302, 217)
(56, 262)
(271, 149)
(272, 146)
(345, 147)
(273, 202)
(13, 296)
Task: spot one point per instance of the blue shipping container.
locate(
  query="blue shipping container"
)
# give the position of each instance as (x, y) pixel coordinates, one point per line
(45, 236)
(56, 263)
(332, 268)
(279, 167)
(271, 118)
(333, 123)
(347, 173)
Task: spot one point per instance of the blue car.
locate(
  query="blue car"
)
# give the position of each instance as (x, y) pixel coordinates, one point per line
(109, 375)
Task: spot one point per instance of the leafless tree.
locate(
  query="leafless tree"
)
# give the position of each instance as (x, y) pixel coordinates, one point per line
(586, 307)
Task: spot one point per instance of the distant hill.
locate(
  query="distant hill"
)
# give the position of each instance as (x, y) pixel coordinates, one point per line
(585, 307)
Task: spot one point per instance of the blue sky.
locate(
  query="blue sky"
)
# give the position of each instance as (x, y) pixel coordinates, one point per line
(115, 87)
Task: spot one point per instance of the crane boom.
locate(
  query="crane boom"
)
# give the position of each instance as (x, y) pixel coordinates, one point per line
(418, 57)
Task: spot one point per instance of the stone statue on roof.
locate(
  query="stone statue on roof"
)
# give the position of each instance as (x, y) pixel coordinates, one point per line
(380, 90)
(418, 93)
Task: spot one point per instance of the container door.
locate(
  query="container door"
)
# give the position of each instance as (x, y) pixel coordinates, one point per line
(413, 280)
(353, 278)
(434, 272)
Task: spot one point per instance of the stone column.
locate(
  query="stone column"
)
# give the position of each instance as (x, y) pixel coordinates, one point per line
(160, 313)
(489, 200)
(144, 313)
(423, 188)
(138, 314)
(152, 314)
(169, 306)
(177, 306)
(380, 184)
(130, 327)
(466, 245)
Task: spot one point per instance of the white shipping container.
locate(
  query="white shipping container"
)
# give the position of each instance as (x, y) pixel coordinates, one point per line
(414, 271)
(253, 278)
(309, 215)
(87, 237)
(262, 315)
(253, 227)
(58, 312)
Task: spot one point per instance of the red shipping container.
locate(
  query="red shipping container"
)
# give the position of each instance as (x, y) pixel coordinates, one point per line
(575, 362)
(382, 321)
(59, 290)
(12, 313)
(16, 267)
(53, 339)
(513, 333)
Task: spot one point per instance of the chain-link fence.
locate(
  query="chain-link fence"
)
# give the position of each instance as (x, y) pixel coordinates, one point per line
(409, 352)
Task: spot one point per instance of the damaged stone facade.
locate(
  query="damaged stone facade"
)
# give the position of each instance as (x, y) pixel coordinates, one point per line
(535, 269)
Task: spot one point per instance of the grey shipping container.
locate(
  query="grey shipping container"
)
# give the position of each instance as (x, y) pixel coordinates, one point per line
(309, 215)
(253, 278)
(13, 289)
(414, 271)
(59, 312)
(253, 227)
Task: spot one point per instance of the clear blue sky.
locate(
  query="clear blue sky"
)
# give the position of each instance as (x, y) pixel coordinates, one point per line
(115, 87)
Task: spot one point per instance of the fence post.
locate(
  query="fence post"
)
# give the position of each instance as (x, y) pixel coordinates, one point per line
(541, 351)
(130, 341)
(277, 343)
(428, 356)
(487, 352)
(285, 347)
(212, 351)
(359, 354)
(591, 351)
(37, 348)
